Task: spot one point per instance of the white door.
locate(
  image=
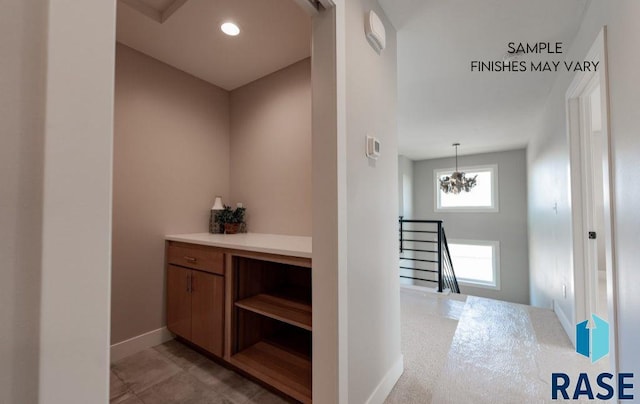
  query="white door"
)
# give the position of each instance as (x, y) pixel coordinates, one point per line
(593, 198)
(594, 264)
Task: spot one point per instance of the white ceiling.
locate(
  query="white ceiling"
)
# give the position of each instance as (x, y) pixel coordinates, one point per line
(440, 101)
(274, 34)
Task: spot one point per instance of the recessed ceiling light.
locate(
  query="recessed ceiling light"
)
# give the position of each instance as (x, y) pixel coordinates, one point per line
(230, 29)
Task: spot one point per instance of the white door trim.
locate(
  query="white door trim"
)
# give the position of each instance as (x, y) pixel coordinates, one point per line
(575, 126)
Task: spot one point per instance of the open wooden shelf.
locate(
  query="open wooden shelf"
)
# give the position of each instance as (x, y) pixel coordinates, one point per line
(292, 339)
(285, 370)
(288, 311)
(271, 324)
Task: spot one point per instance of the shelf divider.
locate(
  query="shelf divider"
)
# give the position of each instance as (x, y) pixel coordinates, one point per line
(288, 311)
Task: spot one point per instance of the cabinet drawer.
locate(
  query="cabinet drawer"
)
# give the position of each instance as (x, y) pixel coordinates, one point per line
(204, 258)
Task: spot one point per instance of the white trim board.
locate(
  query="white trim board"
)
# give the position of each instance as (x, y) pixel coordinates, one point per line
(140, 343)
(567, 324)
(383, 389)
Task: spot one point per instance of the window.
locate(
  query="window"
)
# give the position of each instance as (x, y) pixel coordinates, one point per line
(482, 198)
(476, 263)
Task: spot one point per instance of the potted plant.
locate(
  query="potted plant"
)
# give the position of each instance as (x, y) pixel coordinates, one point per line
(231, 219)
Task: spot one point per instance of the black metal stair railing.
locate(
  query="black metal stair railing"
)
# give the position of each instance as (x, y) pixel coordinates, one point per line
(448, 274)
(424, 254)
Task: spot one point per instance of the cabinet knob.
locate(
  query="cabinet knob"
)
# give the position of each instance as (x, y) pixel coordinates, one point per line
(192, 260)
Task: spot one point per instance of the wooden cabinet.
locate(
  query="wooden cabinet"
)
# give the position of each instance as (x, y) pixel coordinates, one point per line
(251, 308)
(179, 301)
(272, 316)
(207, 259)
(207, 311)
(195, 300)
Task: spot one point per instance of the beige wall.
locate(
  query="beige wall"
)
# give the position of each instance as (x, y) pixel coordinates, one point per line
(329, 179)
(55, 200)
(330, 375)
(171, 159)
(76, 225)
(271, 151)
(22, 25)
(624, 90)
(550, 240)
(375, 360)
(179, 142)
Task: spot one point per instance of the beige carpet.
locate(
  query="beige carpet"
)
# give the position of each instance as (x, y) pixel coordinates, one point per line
(492, 357)
(483, 351)
(429, 323)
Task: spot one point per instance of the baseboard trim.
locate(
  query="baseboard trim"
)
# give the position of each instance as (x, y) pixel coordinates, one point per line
(386, 384)
(568, 326)
(140, 343)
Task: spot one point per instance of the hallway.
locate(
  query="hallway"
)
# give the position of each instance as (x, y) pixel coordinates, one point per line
(478, 350)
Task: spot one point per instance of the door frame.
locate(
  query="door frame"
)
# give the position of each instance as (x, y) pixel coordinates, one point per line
(78, 155)
(576, 127)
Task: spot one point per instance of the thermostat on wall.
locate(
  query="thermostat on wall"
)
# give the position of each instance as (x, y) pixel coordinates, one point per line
(373, 148)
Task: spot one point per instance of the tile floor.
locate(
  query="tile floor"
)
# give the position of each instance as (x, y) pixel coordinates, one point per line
(173, 373)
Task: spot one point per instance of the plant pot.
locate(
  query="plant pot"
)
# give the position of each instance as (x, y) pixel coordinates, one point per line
(231, 228)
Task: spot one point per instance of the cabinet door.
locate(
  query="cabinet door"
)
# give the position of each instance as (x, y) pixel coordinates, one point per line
(179, 301)
(207, 311)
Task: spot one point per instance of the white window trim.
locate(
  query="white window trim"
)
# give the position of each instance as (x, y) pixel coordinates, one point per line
(495, 194)
(496, 263)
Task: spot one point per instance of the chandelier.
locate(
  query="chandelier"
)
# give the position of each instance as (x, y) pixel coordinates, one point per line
(457, 182)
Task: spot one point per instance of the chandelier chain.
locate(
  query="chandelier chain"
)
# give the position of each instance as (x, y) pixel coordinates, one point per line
(456, 157)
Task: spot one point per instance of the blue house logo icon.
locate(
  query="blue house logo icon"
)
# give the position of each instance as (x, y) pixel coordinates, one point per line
(593, 342)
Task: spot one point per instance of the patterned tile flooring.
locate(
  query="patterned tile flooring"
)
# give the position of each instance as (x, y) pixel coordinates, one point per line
(174, 373)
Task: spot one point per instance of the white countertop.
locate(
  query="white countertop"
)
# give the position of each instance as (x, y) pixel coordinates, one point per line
(293, 246)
